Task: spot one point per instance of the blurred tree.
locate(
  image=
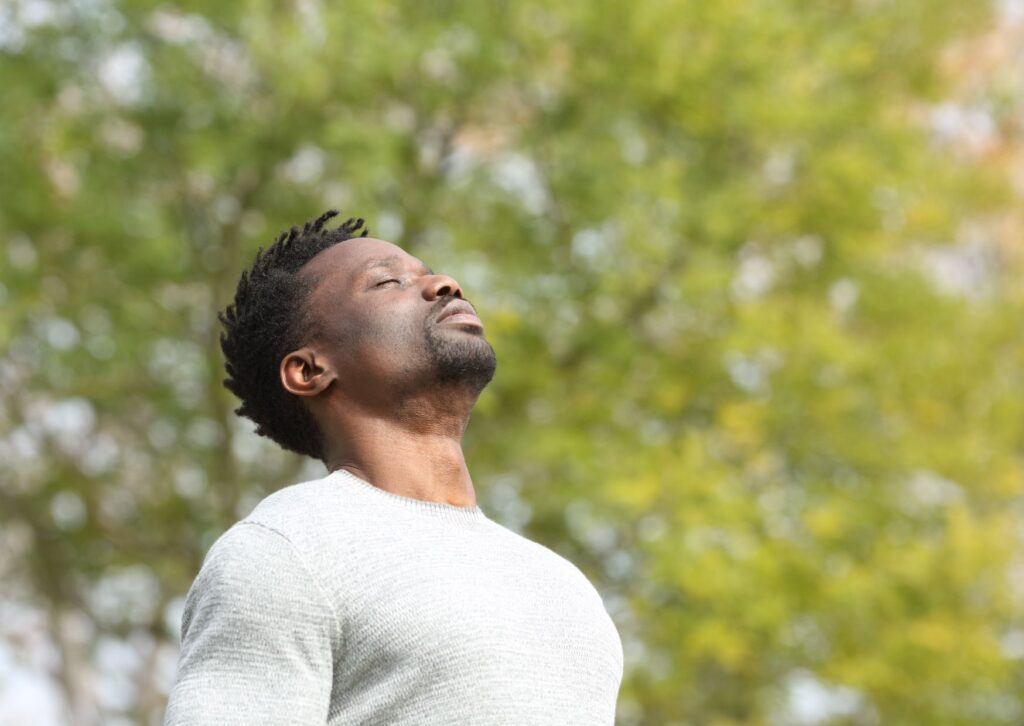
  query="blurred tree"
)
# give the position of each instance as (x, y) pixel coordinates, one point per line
(755, 315)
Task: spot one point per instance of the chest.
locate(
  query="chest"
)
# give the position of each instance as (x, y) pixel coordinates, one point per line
(449, 604)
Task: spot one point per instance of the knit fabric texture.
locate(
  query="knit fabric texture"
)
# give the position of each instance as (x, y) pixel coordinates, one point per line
(337, 602)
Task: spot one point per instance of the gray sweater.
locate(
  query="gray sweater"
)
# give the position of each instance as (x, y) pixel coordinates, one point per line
(336, 602)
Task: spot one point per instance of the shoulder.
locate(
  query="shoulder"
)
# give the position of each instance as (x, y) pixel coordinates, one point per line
(295, 510)
(246, 558)
(318, 520)
(242, 541)
(253, 574)
(256, 551)
(257, 636)
(543, 556)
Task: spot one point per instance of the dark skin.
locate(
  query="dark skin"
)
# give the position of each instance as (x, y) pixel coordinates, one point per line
(395, 362)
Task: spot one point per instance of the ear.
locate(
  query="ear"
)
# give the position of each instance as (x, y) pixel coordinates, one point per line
(306, 373)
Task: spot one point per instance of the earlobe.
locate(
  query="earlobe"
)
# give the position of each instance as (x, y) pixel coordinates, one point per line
(304, 373)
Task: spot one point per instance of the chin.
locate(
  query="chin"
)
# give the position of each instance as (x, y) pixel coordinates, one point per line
(466, 359)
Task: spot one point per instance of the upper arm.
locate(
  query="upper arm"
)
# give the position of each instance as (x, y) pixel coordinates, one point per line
(257, 637)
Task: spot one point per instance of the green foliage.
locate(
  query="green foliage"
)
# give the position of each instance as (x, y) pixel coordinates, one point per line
(700, 235)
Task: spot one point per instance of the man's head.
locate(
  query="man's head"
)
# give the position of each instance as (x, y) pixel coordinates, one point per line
(363, 320)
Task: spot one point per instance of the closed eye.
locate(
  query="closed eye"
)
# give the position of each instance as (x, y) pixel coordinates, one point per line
(382, 283)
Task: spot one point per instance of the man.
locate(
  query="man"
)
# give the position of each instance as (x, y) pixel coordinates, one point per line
(381, 593)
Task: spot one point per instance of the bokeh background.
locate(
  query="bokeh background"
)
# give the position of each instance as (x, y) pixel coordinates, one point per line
(752, 269)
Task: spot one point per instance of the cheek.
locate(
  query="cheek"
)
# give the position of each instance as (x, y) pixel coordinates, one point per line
(385, 331)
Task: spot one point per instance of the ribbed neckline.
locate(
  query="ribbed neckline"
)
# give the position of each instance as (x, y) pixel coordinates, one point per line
(447, 512)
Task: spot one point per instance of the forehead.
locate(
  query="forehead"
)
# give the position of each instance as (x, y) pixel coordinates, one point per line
(350, 258)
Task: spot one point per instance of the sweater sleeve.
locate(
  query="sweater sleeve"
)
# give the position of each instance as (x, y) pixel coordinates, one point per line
(256, 637)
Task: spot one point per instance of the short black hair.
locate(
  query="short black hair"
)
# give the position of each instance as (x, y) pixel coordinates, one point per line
(265, 323)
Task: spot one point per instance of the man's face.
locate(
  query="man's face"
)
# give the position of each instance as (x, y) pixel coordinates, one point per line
(387, 322)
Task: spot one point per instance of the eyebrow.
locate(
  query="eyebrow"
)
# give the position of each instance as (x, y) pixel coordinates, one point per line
(388, 261)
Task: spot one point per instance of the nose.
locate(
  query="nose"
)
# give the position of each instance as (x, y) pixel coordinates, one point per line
(441, 286)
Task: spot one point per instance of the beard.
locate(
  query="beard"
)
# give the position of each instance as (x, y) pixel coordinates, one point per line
(461, 358)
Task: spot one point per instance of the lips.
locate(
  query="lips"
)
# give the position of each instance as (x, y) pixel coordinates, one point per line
(459, 311)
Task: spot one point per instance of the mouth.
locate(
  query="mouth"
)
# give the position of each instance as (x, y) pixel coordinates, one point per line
(459, 312)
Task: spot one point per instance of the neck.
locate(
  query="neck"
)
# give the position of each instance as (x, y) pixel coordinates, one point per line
(415, 453)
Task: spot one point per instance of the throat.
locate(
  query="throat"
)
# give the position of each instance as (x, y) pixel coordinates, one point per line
(419, 465)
